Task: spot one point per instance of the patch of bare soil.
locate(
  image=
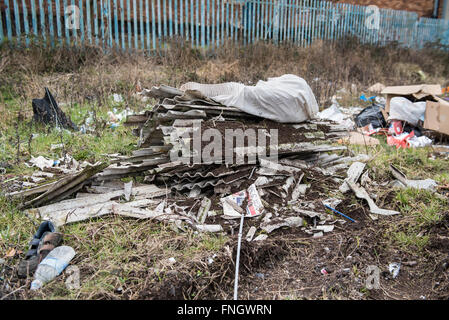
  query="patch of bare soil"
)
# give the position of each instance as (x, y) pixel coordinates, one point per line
(292, 265)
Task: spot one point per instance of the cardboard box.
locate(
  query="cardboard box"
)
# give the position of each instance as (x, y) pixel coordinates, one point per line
(437, 115)
(413, 93)
(437, 109)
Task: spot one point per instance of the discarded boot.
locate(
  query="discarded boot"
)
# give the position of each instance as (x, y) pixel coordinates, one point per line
(50, 240)
(28, 265)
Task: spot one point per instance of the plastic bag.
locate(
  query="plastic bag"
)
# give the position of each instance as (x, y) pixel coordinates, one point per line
(371, 115)
(403, 109)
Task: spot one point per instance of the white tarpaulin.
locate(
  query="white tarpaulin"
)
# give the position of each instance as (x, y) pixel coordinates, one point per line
(283, 99)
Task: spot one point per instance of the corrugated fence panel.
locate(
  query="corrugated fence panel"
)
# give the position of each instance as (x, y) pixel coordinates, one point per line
(149, 25)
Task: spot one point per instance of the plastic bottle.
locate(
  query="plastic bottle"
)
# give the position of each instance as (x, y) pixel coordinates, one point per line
(49, 268)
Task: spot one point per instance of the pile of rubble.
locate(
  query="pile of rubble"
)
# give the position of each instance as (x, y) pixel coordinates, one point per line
(277, 186)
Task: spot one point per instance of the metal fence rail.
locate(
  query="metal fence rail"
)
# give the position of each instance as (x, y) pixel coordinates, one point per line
(149, 24)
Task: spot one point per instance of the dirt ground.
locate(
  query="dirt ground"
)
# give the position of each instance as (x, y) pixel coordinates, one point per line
(293, 265)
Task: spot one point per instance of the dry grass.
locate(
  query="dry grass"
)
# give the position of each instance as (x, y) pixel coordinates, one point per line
(79, 75)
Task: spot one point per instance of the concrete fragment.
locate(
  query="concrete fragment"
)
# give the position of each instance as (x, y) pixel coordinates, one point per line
(325, 228)
(127, 190)
(251, 233)
(209, 228)
(361, 193)
(261, 237)
(203, 210)
(354, 173)
(427, 184)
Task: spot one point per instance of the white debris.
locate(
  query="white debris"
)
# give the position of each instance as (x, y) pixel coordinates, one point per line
(427, 184)
(332, 202)
(294, 221)
(41, 162)
(203, 210)
(209, 227)
(261, 237)
(128, 189)
(117, 98)
(361, 193)
(394, 269)
(251, 233)
(354, 173)
(325, 228)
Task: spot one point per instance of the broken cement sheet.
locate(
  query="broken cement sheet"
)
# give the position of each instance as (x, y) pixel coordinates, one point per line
(277, 223)
(427, 184)
(287, 99)
(209, 228)
(354, 173)
(66, 186)
(361, 193)
(84, 208)
(251, 233)
(254, 207)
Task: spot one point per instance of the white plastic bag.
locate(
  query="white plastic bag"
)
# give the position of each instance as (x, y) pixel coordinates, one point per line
(403, 109)
(283, 99)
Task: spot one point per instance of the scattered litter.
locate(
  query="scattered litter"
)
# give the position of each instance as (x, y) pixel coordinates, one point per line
(403, 109)
(127, 190)
(361, 193)
(55, 262)
(41, 162)
(357, 138)
(117, 98)
(325, 228)
(261, 237)
(394, 269)
(56, 146)
(209, 228)
(371, 115)
(46, 111)
(233, 202)
(427, 184)
(203, 210)
(419, 142)
(334, 113)
(370, 99)
(251, 233)
(354, 173)
(211, 259)
(332, 202)
(259, 275)
(336, 211)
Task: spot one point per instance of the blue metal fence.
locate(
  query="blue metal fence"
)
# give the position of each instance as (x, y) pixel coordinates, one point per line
(149, 24)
